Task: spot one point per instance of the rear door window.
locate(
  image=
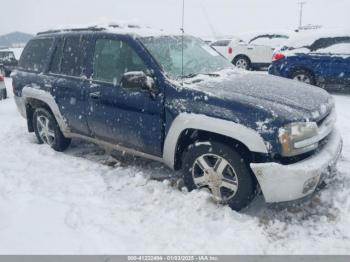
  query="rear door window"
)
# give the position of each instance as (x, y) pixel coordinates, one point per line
(35, 54)
(74, 51)
(260, 40)
(55, 66)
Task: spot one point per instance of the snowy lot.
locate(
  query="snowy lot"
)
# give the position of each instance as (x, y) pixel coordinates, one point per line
(84, 202)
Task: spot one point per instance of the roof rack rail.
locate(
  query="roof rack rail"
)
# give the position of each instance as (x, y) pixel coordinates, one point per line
(90, 28)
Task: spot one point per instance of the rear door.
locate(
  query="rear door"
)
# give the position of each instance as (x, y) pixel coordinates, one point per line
(68, 68)
(128, 117)
(259, 50)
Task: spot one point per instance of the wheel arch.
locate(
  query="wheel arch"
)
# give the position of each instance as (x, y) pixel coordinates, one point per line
(30, 106)
(244, 56)
(191, 136)
(301, 68)
(34, 98)
(189, 128)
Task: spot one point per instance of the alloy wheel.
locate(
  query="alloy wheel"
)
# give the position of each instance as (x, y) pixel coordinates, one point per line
(45, 130)
(241, 63)
(302, 78)
(215, 173)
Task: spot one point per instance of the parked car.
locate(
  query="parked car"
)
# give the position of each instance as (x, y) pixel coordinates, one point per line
(253, 53)
(321, 58)
(3, 92)
(8, 61)
(231, 132)
(221, 45)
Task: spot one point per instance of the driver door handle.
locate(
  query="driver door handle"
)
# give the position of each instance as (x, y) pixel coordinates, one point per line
(95, 95)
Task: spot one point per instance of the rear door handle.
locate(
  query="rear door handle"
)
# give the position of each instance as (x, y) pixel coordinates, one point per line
(95, 95)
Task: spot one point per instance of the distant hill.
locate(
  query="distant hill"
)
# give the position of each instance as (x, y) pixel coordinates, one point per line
(15, 39)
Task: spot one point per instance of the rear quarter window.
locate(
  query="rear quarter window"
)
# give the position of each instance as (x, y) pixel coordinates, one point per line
(35, 54)
(221, 43)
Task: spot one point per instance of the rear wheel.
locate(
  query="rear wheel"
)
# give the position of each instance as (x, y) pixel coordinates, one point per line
(303, 76)
(47, 130)
(242, 62)
(222, 171)
(3, 94)
(7, 73)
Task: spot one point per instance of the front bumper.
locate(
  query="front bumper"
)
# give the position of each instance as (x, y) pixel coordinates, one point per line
(282, 183)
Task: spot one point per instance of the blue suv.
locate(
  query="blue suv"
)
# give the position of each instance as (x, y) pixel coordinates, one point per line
(316, 59)
(173, 99)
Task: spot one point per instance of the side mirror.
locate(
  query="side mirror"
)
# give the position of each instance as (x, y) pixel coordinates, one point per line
(137, 79)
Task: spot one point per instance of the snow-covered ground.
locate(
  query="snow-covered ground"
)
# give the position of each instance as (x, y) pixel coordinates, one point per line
(84, 202)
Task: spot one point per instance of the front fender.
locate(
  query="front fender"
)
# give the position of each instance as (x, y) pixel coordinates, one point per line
(247, 136)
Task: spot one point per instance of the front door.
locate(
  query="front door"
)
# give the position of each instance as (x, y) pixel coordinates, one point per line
(129, 117)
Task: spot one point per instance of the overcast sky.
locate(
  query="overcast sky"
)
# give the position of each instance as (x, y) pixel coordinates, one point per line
(203, 17)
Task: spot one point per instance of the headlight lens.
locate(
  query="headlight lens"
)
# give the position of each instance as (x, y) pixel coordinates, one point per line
(297, 138)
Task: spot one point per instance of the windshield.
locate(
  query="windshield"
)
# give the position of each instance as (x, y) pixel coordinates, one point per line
(198, 57)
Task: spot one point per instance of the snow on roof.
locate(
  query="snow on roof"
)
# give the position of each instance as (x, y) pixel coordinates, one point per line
(247, 36)
(113, 27)
(307, 38)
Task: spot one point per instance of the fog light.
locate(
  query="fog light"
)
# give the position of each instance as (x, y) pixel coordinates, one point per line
(310, 184)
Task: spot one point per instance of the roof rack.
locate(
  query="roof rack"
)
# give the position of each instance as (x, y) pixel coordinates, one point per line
(93, 28)
(90, 28)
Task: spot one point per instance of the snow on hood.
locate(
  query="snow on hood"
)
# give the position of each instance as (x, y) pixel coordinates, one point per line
(259, 90)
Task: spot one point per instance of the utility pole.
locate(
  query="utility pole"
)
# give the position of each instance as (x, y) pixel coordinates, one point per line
(301, 13)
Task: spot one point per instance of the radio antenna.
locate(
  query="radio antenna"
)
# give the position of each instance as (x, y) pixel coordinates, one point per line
(182, 41)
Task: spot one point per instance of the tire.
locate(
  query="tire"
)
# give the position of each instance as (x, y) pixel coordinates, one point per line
(242, 62)
(7, 73)
(3, 94)
(236, 186)
(303, 76)
(47, 130)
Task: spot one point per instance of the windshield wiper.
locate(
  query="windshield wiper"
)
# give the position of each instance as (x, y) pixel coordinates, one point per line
(196, 74)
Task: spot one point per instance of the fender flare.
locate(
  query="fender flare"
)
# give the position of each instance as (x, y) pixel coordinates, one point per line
(249, 137)
(29, 92)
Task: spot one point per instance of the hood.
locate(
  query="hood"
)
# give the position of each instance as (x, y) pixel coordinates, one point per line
(282, 97)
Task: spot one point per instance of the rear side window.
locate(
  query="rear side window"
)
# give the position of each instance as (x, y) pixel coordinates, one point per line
(55, 66)
(327, 42)
(221, 43)
(35, 54)
(260, 40)
(73, 54)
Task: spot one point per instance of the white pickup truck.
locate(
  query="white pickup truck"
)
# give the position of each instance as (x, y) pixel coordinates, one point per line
(250, 52)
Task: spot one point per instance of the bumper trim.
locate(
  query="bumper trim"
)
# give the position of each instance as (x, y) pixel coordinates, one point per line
(282, 183)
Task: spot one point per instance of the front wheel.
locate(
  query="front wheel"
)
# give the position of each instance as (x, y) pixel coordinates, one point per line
(222, 170)
(47, 130)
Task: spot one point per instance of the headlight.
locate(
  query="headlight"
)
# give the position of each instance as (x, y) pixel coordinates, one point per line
(298, 138)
